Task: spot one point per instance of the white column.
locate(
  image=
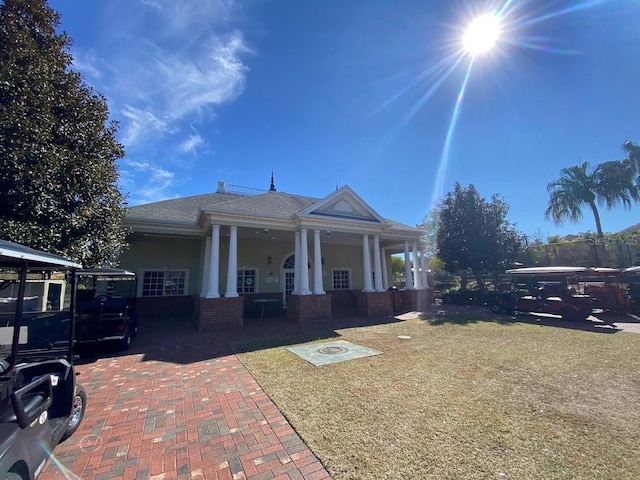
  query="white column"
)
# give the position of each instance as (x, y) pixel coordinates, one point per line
(377, 266)
(385, 274)
(317, 264)
(205, 267)
(296, 266)
(425, 279)
(416, 267)
(232, 271)
(214, 263)
(304, 263)
(366, 260)
(407, 268)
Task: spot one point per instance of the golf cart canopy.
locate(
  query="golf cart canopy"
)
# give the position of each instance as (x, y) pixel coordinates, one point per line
(15, 256)
(563, 271)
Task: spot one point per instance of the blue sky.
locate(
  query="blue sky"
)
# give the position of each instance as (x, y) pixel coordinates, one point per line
(348, 92)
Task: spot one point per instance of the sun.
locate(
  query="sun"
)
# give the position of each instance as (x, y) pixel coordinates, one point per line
(481, 35)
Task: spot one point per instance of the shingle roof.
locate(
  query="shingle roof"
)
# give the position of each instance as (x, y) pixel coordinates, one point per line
(185, 210)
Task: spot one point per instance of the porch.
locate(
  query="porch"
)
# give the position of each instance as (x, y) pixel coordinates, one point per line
(208, 313)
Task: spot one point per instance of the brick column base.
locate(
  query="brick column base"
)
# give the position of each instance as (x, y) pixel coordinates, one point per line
(375, 304)
(218, 312)
(309, 308)
(414, 300)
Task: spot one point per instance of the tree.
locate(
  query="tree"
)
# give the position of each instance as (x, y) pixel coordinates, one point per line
(611, 184)
(397, 265)
(58, 152)
(475, 234)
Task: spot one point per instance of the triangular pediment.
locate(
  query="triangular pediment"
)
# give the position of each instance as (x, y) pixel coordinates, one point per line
(344, 203)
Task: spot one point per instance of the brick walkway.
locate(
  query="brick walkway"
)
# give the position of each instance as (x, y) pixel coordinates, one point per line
(180, 405)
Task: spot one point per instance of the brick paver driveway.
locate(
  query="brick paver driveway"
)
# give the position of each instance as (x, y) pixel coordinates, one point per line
(179, 405)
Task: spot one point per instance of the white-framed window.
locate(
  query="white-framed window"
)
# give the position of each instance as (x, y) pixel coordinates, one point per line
(341, 278)
(164, 283)
(247, 280)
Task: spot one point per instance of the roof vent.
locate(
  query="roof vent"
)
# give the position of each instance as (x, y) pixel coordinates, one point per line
(221, 188)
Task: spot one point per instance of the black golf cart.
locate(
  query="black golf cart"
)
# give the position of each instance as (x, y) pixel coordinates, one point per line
(106, 307)
(40, 402)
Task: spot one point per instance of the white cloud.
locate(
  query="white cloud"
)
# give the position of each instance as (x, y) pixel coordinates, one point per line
(191, 144)
(85, 62)
(140, 123)
(155, 185)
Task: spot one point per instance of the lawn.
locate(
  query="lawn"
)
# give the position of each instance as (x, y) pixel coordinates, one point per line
(465, 400)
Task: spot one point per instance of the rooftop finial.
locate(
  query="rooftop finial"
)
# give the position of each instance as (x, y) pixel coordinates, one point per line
(272, 187)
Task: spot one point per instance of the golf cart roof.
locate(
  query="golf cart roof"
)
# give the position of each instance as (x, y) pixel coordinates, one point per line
(547, 270)
(14, 255)
(564, 271)
(106, 273)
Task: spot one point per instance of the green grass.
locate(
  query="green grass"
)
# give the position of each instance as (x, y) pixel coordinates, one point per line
(472, 400)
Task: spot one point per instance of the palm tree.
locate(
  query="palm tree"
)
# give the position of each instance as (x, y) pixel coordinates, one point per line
(611, 184)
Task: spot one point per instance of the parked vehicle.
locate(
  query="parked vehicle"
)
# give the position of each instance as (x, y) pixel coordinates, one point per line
(631, 278)
(548, 292)
(40, 402)
(107, 307)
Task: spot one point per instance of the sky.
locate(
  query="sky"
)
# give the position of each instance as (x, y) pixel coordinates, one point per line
(378, 95)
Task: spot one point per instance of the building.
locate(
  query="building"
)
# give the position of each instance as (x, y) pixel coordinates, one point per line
(232, 254)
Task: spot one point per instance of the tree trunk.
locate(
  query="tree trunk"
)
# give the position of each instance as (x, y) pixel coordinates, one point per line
(600, 247)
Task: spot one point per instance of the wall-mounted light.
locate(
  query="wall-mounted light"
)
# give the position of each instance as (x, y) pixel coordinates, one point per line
(269, 259)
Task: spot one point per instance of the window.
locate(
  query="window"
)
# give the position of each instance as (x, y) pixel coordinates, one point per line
(341, 279)
(164, 283)
(247, 280)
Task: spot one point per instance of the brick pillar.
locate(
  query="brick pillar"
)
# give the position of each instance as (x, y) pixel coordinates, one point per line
(375, 304)
(309, 308)
(219, 312)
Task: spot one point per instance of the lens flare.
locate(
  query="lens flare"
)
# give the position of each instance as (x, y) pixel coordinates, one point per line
(481, 35)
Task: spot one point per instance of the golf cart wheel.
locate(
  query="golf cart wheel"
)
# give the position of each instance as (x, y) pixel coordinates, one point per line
(77, 412)
(571, 315)
(495, 307)
(125, 343)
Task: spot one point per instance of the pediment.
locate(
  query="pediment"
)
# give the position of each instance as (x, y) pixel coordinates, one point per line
(344, 203)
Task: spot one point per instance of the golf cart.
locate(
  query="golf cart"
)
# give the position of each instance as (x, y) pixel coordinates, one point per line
(106, 307)
(548, 290)
(40, 402)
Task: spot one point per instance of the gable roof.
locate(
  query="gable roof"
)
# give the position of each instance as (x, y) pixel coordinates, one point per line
(342, 205)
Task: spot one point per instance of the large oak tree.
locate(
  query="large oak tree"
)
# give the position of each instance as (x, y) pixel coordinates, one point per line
(58, 148)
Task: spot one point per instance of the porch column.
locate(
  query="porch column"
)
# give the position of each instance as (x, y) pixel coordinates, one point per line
(416, 267)
(304, 263)
(296, 266)
(214, 264)
(385, 274)
(377, 266)
(205, 267)
(425, 279)
(317, 265)
(232, 272)
(407, 268)
(366, 257)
